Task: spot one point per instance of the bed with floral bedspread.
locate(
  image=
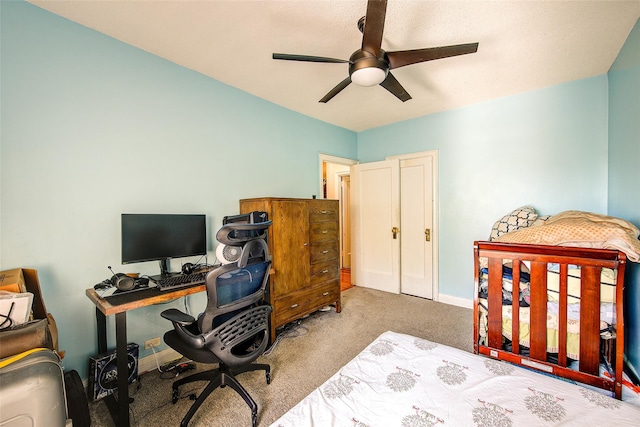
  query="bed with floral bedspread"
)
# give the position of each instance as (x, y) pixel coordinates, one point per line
(401, 380)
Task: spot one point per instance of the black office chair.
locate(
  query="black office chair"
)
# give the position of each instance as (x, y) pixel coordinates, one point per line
(233, 331)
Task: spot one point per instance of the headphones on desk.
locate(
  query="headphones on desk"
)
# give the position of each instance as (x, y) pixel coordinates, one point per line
(122, 281)
(188, 268)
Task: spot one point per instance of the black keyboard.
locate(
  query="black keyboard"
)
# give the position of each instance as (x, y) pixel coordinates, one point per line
(180, 281)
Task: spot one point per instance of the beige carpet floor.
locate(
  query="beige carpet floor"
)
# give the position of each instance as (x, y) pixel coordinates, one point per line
(303, 358)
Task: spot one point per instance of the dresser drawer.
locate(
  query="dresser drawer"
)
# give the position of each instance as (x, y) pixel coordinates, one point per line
(323, 231)
(324, 271)
(301, 303)
(324, 251)
(323, 210)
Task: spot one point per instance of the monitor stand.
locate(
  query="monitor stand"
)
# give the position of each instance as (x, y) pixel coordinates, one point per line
(164, 271)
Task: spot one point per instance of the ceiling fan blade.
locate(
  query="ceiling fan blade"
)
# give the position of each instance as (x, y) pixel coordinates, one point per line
(394, 86)
(374, 26)
(307, 58)
(336, 90)
(407, 57)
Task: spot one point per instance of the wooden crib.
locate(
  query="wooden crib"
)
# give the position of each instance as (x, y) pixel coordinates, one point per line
(598, 347)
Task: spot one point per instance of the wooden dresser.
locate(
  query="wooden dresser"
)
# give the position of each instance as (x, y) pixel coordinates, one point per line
(305, 247)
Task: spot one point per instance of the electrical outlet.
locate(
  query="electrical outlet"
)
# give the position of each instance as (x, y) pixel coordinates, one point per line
(154, 342)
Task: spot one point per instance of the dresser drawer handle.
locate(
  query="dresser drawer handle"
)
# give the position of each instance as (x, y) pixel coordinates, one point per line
(325, 271)
(294, 305)
(325, 252)
(324, 212)
(325, 294)
(325, 231)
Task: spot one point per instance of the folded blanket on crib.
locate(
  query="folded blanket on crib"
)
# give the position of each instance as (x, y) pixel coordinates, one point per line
(581, 229)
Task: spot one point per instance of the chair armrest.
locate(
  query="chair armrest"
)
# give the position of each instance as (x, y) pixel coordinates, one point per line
(181, 324)
(176, 316)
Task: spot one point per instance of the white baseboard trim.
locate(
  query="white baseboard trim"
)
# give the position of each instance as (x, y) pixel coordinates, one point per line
(451, 300)
(148, 363)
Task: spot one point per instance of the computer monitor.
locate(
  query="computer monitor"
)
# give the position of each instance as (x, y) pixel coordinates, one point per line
(160, 237)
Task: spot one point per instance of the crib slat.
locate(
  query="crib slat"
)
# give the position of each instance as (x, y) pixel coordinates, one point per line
(619, 326)
(590, 319)
(494, 301)
(538, 311)
(562, 316)
(515, 307)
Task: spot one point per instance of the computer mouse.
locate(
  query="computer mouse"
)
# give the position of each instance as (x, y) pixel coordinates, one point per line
(103, 285)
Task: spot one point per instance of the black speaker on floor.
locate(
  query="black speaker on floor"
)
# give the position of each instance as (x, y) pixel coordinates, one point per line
(77, 403)
(103, 371)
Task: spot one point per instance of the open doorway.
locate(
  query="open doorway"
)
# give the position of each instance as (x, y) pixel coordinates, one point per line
(335, 184)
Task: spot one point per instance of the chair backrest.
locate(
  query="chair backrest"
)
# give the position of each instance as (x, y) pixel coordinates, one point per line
(234, 287)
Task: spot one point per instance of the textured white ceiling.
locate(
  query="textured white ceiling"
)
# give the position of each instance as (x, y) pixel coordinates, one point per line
(524, 45)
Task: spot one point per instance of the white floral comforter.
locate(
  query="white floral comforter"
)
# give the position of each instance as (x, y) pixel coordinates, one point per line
(400, 380)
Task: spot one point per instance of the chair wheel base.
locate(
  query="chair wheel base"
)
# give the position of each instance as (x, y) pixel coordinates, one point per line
(174, 396)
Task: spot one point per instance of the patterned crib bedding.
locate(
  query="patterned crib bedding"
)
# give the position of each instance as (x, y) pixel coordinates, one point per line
(400, 380)
(607, 306)
(607, 283)
(607, 316)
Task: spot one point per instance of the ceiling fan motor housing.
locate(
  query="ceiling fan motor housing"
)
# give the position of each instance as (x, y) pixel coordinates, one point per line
(366, 69)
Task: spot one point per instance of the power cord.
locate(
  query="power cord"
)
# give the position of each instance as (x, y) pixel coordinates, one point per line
(294, 329)
(290, 330)
(175, 367)
(187, 394)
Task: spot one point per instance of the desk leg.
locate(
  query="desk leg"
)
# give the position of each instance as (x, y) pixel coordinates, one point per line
(123, 369)
(119, 409)
(101, 321)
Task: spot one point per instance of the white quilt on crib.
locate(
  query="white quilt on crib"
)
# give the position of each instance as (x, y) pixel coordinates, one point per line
(400, 380)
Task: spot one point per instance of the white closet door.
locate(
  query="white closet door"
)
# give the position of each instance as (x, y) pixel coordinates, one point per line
(375, 189)
(416, 221)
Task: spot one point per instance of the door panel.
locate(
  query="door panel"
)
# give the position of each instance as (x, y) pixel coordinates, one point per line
(290, 249)
(416, 219)
(375, 212)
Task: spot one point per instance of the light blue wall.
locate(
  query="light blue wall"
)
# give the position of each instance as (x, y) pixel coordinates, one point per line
(92, 128)
(546, 148)
(624, 169)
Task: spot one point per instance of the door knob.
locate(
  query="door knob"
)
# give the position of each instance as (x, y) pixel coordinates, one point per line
(395, 231)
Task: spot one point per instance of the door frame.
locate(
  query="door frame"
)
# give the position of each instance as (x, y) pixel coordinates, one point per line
(436, 207)
(345, 218)
(328, 158)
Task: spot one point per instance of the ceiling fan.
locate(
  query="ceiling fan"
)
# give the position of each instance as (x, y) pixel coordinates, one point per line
(370, 65)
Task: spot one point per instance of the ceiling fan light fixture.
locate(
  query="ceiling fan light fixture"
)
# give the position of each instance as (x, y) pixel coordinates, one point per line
(366, 69)
(369, 76)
